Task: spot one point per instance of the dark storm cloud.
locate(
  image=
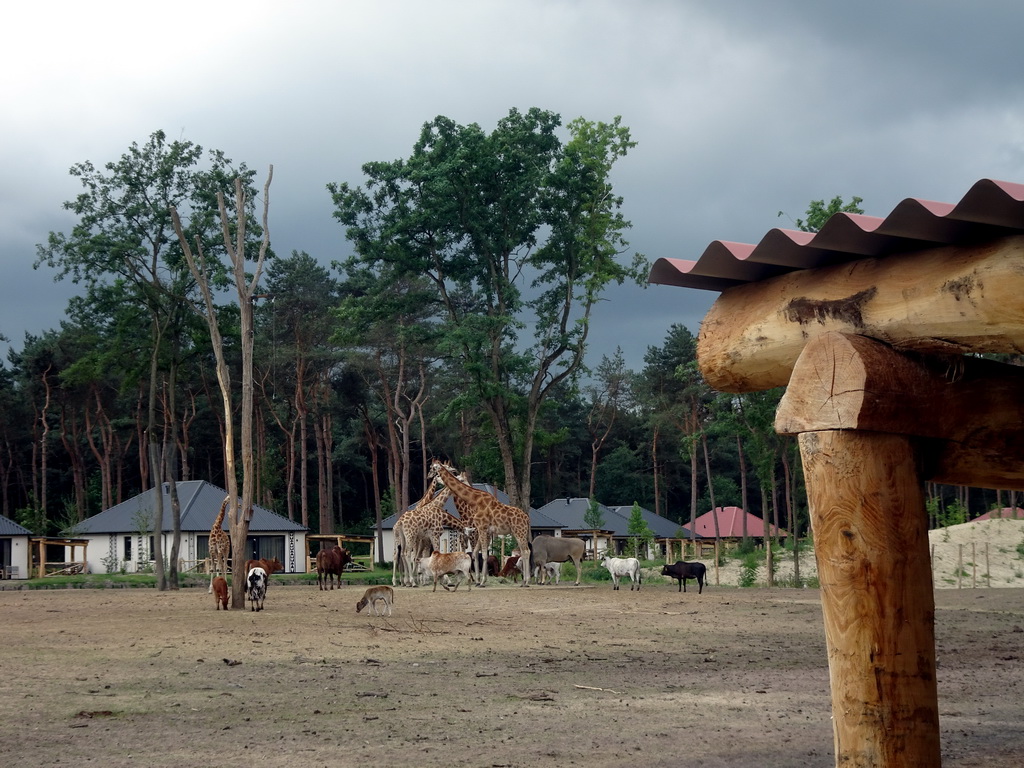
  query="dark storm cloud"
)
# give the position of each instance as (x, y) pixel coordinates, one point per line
(741, 109)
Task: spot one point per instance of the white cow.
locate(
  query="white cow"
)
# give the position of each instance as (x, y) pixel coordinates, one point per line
(623, 566)
(551, 571)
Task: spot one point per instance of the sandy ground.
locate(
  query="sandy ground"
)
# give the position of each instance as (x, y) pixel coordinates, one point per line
(501, 676)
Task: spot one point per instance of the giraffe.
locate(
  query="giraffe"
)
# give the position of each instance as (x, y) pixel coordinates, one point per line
(426, 521)
(403, 545)
(219, 547)
(483, 515)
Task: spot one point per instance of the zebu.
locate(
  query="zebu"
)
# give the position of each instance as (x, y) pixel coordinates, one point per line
(459, 564)
(331, 563)
(623, 566)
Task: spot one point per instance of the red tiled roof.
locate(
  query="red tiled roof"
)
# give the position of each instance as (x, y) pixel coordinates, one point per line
(1015, 513)
(730, 524)
(990, 209)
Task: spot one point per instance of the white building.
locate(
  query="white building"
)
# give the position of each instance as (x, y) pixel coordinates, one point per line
(121, 538)
(15, 552)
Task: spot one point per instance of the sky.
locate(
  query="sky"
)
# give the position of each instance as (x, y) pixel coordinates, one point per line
(741, 109)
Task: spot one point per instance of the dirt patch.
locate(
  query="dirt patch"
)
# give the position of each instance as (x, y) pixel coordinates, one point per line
(501, 676)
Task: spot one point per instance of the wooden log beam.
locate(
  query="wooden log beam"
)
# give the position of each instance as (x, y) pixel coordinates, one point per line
(951, 299)
(871, 544)
(969, 412)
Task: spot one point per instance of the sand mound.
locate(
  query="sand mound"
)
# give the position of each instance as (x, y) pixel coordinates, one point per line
(980, 553)
(984, 552)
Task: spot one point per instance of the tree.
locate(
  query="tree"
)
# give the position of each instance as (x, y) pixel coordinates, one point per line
(818, 212)
(660, 396)
(593, 518)
(239, 511)
(386, 321)
(607, 396)
(299, 323)
(468, 210)
(640, 533)
(124, 234)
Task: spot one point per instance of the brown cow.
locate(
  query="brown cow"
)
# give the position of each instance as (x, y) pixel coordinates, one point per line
(220, 592)
(270, 566)
(331, 563)
(511, 568)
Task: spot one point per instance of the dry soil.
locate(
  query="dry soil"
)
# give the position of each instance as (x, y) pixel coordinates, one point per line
(500, 676)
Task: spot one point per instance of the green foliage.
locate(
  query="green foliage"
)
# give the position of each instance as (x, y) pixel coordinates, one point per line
(31, 518)
(469, 215)
(640, 533)
(747, 547)
(112, 563)
(748, 572)
(619, 476)
(593, 518)
(819, 212)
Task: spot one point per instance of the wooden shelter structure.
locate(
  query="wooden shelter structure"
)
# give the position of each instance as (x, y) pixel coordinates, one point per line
(71, 562)
(360, 560)
(873, 326)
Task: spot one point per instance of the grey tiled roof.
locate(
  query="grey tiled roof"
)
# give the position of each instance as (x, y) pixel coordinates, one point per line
(10, 528)
(663, 527)
(570, 511)
(200, 503)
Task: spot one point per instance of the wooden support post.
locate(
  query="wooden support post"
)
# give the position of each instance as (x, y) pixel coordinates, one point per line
(959, 564)
(871, 543)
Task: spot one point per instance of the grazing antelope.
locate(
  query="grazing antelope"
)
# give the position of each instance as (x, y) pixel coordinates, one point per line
(372, 595)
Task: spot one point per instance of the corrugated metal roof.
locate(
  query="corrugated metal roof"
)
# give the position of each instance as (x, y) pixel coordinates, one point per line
(990, 209)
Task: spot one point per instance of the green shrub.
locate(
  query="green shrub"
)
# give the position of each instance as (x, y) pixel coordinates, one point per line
(748, 572)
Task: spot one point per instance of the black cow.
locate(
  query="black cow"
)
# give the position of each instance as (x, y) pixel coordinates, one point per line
(682, 571)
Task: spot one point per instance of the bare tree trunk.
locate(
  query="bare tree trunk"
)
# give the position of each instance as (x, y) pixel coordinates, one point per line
(44, 452)
(71, 438)
(711, 487)
(239, 515)
(693, 487)
(654, 464)
(769, 562)
(155, 458)
(744, 500)
(102, 451)
(170, 472)
(790, 519)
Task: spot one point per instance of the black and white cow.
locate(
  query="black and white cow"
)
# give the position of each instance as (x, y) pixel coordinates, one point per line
(256, 588)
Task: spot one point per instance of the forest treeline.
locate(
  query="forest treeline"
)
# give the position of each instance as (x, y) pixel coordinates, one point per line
(458, 328)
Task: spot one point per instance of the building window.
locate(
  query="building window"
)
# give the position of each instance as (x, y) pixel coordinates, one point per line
(127, 547)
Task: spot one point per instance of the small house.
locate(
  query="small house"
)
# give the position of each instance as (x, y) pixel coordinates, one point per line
(15, 550)
(121, 538)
